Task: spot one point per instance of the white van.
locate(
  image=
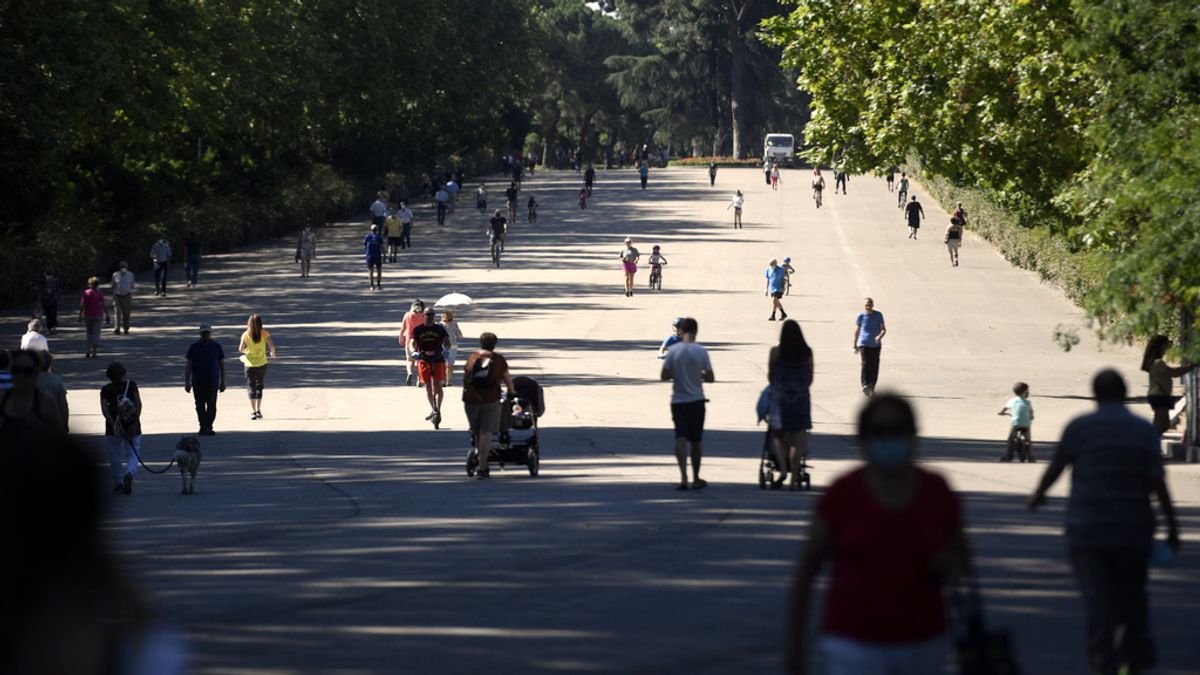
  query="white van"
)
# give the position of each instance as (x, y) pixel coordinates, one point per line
(780, 148)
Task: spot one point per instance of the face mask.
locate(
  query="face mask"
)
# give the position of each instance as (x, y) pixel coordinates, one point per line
(890, 453)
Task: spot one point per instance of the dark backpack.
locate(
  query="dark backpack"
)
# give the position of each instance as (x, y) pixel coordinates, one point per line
(481, 371)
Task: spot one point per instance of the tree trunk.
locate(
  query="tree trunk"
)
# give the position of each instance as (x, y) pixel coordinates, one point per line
(550, 137)
(737, 70)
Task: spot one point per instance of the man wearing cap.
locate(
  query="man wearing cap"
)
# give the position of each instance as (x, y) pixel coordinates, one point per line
(428, 346)
(160, 253)
(415, 316)
(673, 338)
(205, 377)
(373, 248)
(122, 285)
(775, 277)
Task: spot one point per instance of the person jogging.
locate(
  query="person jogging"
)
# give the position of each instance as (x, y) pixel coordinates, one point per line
(736, 204)
(688, 367)
(869, 330)
(953, 240)
(629, 260)
(914, 213)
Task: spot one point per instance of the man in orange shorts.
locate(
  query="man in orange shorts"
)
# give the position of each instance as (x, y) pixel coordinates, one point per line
(427, 346)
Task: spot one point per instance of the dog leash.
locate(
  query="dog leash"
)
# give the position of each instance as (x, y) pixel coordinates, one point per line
(139, 457)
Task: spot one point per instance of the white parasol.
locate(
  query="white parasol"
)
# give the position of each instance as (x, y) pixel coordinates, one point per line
(453, 301)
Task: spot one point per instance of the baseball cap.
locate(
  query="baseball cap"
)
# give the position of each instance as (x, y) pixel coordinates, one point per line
(678, 320)
(205, 328)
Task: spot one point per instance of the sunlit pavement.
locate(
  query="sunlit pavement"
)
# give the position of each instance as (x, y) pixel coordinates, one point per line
(341, 534)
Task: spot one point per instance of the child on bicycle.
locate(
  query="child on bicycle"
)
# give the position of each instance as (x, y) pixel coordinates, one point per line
(656, 262)
(1021, 411)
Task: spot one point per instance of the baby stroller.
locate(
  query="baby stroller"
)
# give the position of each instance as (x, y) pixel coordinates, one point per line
(770, 475)
(517, 413)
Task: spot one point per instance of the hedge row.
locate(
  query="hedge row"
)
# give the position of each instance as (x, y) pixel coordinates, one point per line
(1076, 273)
(78, 245)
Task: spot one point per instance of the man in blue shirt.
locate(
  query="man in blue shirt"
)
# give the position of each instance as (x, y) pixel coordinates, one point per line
(373, 248)
(1116, 466)
(775, 275)
(205, 377)
(869, 330)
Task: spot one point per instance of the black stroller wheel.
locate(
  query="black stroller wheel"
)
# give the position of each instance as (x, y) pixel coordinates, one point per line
(532, 460)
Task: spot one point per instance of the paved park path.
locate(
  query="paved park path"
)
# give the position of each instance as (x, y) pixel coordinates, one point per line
(340, 534)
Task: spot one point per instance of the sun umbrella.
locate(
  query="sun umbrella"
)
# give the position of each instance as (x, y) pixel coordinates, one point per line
(453, 300)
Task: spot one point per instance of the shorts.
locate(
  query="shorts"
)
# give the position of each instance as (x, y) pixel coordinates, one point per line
(777, 294)
(914, 224)
(689, 420)
(394, 241)
(431, 369)
(953, 244)
(375, 263)
(630, 268)
(1159, 402)
(483, 417)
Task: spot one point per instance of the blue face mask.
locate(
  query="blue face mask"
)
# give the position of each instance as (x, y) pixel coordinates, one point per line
(890, 453)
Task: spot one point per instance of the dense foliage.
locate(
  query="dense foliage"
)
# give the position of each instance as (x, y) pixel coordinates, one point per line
(1080, 117)
(121, 120)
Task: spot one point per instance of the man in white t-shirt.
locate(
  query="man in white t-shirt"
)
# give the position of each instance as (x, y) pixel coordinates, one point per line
(688, 367)
(123, 284)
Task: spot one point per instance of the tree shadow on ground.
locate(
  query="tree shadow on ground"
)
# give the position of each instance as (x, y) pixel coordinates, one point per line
(371, 551)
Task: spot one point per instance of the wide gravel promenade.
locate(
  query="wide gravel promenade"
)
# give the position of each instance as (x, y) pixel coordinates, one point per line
(340, 534)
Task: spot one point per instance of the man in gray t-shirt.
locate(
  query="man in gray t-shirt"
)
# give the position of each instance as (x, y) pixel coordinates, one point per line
(688, 367)
(1116, 467)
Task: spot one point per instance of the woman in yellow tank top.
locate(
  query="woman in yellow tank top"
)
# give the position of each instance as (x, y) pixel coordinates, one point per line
(255, 347)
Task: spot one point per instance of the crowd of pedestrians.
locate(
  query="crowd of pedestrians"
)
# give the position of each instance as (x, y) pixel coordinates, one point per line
(878, 616)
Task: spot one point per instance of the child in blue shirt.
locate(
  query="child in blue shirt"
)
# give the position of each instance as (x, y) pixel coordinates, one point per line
(1021, 411)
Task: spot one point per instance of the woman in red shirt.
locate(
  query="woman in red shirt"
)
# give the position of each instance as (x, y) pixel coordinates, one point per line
(894, 534)
(91, 310)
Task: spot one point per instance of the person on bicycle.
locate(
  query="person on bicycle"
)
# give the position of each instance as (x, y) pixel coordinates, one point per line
(902, 192)
(511, 195)
(818, 185)
(589, 178)
(531, 205)
(428, 346)
(1021, 411)
(497, 228)
(656, 262)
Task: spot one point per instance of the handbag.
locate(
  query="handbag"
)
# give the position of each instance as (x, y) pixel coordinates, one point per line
(979, 651)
